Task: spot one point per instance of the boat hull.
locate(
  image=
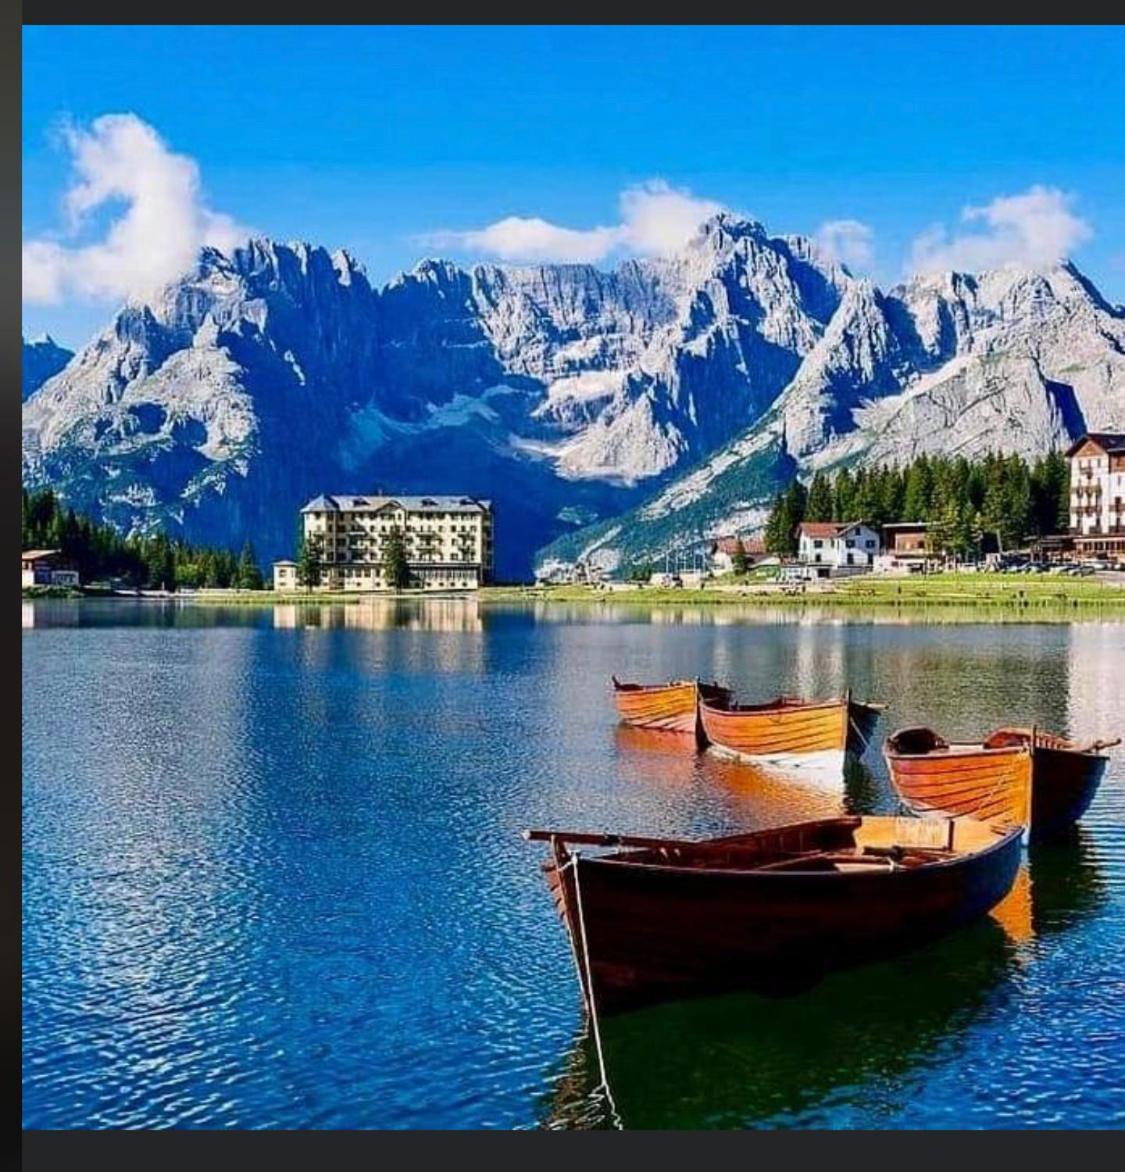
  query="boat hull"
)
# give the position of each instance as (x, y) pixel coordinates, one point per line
(1063, 784)
(666, 707)
(780, 735)
(1045, 788)
(650, 933)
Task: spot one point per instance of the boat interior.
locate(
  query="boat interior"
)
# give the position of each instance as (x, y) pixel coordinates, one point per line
(872, 843)
(778, 702)
(913, 742)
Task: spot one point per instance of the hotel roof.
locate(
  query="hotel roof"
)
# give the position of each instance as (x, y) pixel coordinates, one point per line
(412, 504)
(1108, 441)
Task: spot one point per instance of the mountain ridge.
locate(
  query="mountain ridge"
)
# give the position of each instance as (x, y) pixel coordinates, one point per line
(564, 392)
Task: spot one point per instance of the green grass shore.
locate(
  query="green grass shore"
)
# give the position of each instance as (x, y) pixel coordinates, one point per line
(1008, 591)
(1004, 591)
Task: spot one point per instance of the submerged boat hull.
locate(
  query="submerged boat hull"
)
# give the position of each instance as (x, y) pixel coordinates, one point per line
(645, 932)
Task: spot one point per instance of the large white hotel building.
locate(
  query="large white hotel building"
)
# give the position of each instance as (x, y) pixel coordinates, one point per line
(448, 541)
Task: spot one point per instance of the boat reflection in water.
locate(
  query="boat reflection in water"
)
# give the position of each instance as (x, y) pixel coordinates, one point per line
(841, 1054)
(849, 1048)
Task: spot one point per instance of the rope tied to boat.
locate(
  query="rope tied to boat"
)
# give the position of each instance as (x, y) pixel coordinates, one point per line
(591, 1004)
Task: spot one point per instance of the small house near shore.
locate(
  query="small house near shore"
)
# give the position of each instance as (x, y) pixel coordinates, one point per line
(723, 550)
(40, 567)
(904, 548)
(285, 575)
(837, 546)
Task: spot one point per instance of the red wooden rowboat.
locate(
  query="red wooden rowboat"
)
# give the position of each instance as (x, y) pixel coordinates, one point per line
(658, 919)
(1017, 776)
(671, 707)
(790, 731)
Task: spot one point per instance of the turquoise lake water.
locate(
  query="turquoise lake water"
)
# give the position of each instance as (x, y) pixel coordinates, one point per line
(273, 877)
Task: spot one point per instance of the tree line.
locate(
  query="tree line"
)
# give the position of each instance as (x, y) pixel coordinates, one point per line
(158, 562)
(969, 506)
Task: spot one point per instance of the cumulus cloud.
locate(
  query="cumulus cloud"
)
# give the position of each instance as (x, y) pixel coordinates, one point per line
(846, 241)
(151, 240)
(1035, 229)
(655, 219)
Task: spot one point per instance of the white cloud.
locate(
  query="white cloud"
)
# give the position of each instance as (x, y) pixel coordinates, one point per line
(656, 219)
(1035, 229)
(153, 239)
(846, 241)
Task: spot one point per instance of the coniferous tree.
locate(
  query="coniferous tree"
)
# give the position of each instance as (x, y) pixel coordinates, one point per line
(775, 540)
(918, 490)
(396, 570)
(740, 563)
(309, 554)
(820, 502)
(842, 489)
(249, 576)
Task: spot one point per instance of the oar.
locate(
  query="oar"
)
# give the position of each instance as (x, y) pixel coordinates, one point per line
(584, 838)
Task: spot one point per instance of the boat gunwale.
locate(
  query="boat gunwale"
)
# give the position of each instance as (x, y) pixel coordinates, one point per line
(954, 749)
(775, 705)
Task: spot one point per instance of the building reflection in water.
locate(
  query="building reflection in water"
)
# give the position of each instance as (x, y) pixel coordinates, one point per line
(382, 614)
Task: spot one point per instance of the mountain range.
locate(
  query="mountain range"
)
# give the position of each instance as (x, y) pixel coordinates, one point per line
(610, 415)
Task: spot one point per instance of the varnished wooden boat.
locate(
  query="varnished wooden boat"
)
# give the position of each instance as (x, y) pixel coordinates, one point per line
(1017, 776)
(790, 731)
(671, 707)
(659, 919)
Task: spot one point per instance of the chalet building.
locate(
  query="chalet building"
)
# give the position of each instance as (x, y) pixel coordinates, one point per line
(39, 567)
(837, 546)
(905, 539)
(448, 541)
(904, 548)
(1097, 494)
(722, 552)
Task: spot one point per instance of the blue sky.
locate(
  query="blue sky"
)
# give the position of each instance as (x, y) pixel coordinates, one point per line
(385, 140)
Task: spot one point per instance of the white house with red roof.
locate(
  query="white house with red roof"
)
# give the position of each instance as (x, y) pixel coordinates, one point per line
(850, 545)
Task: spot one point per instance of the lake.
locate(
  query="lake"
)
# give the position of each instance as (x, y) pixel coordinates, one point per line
(273, 875)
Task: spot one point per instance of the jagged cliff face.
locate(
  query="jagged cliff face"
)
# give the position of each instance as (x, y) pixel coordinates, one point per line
(42, 358)
(1010, 361)
(567, 394)
(261, 378)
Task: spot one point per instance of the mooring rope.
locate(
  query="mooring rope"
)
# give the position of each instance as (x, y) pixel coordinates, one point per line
(591, 1003)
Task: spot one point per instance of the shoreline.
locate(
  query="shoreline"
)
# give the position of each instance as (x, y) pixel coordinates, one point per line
(1007, 592)
(986, 591)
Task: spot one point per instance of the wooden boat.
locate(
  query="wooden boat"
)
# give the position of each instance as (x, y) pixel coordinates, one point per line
(791, 731)
(658, 919)
(671, 707)
(1017, 776)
